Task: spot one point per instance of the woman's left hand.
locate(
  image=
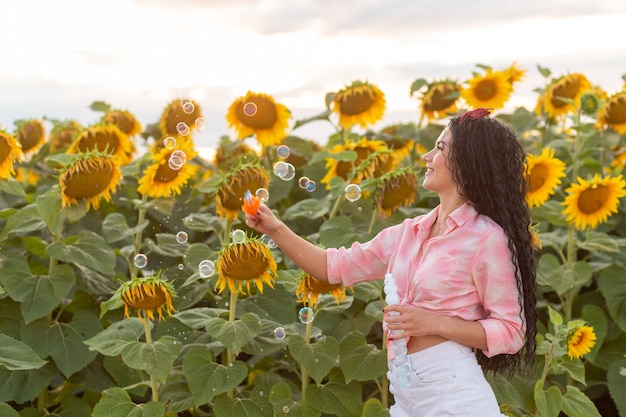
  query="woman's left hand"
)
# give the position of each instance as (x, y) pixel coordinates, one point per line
(412, 321)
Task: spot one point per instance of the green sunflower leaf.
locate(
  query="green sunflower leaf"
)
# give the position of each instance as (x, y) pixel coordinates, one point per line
(374, 408)
(336, 398)
(234, 335)
(115, 338)
(17, 356)
(225, 406)
(157, 359)
(548, 401)
(360, 361)
(22, 386)
(577, 404)
(49, 209)
(317, 358)
(87, 248)
(612, 284)
(38, 294)
(24, 221)
(116, 402)
(208, 379)
(7, 411)
(115, 227)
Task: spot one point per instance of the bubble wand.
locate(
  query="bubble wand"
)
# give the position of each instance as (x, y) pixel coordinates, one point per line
(251, 203)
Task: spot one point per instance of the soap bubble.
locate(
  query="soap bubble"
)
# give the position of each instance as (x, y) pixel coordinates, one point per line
(249, 109)
(200, 123)
(311, 186)
(182, 237)
(238, 235)
(352, 192)
(320, 338)
(280, 333)
(303, 181)
(285, 409)
(268, 241)
(280, 169)
(206, 268)
(291, 172)
(263, 194)
(140, 260)
(187, 105)
(306, 315)
(169, 142)
(283, 151)
(182, 128)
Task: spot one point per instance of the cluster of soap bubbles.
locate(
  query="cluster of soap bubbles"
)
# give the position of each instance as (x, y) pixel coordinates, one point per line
(284, 170)
(189, 108)
(307, 184)
(206, 268)
(177, 160)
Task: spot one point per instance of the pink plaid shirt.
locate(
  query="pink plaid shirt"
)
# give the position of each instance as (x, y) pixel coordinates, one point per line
(467, 272)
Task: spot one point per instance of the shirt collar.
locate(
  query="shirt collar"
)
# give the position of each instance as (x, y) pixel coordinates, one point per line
(460, 216)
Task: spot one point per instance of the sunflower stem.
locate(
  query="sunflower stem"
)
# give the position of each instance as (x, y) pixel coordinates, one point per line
(373, 220)
(153, 381)
(141, 215)
(303, 373)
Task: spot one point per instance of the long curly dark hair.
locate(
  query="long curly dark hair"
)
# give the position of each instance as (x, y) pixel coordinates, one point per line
(488, 165)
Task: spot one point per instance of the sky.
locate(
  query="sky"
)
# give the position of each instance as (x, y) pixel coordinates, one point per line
(137, 55)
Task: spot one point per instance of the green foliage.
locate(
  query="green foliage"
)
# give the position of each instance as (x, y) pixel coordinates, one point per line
(66, 347)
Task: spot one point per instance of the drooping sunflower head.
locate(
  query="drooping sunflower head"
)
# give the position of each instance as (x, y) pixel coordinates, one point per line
(229, 151)
(124, 120)
(259, 114)
(104, 138)
(10, 152)
(169, 172)
(147, 294)
(568, 87)
(613, 113)
(399, 138)
(241, 264)
(63, 134)
(31, 134)
(89, 177)
(344, 169)
(359, 103)
(233, 186)
(543, 175)
(180, 118)
(440, 100)
(396, 189)
(310, 289)
(590, 202)
(489, 90)
(619, 159)
(376, 165)
(580, 339)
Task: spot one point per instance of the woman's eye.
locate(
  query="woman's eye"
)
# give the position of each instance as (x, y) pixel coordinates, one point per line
(440, 146)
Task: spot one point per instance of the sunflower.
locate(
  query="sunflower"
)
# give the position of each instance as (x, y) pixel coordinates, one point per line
(619, 160)
(10, 151)
(179, 118)
(440, 100)
(104, 138)
(359, 103)
(229, 151)
(146, 294)
(396, 189)
(89, 177)
(490, 90)
(233, 186)
(613, 113)
(399, 140)
(570, 87)
(241, 263)
(543, 175)
(591, 202)
(363, 148)
(310, 289)
(580, 340)
(124, 120)
(514, 74)
(31, 134)
(163, 178)
(268, 121)
(62, 134)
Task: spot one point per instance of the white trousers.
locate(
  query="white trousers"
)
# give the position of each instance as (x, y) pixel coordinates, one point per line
(446, 380)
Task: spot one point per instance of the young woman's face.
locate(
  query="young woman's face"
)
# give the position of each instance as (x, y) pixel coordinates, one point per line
(438, 177)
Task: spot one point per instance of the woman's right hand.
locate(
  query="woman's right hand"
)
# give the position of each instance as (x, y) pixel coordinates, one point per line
(263, 221)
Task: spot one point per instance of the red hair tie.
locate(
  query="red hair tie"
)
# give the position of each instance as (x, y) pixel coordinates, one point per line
(475, 114)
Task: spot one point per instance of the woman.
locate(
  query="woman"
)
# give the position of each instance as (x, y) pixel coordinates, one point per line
(465, 272)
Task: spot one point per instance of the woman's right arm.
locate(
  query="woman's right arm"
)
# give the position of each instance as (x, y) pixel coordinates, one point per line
(309, 257)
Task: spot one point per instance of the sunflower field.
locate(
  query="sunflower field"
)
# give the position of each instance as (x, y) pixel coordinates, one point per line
(131, 286)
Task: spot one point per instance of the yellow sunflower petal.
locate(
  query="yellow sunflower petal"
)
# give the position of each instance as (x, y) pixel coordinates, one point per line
(590, 203)
(543, 175)
(10, 152)
(580, 342)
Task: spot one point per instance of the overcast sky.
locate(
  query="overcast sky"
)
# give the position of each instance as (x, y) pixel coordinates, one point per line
(59, 56)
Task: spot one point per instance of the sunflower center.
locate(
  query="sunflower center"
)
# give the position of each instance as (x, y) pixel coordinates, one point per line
(99, 140)
(265, 116)
(30, 135)
(440, 98)
(395, 192)
(537, 177)
(357, 102)
(165, 174)
(248, 263)
(593, 199)
(86, 182)
(485, 90)
(143, 298)
(616, 111)
(568, 89)
(122, 120)
(231, 195)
